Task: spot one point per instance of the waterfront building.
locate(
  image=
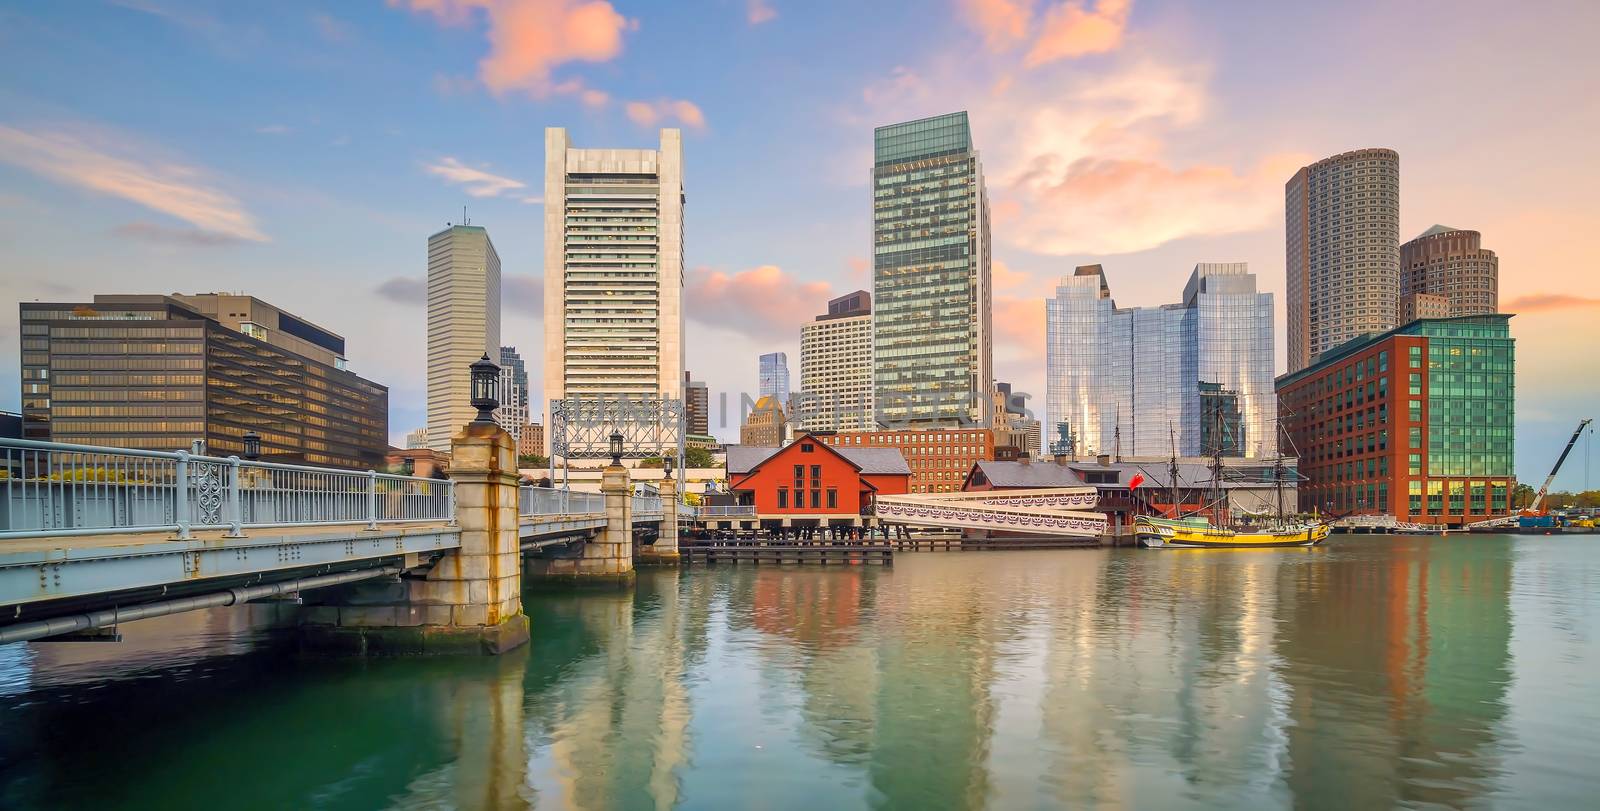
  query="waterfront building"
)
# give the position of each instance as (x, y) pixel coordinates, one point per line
(696, 406)
(809, 482)
(938, 457)
(463, 324)
(613, 270)
(765, 425)
(774, 377)
(1452, 264)
(1342, 251)
(1147, 380)
(1415, 422)
(932, 335)
(836, 367)
(155, 372)
(531, 442)
(416, 438)
(512, 415)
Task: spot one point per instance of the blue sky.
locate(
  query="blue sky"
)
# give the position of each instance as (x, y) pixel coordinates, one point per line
(303, 152)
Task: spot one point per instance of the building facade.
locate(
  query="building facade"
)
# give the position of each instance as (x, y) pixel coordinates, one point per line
(809, 480)
(938, 457)
(1451, 264)
(153, 372)
(1139, 381)
(613, 270)
(1423, 305)
(932, 335)
(836, 367)
(463, 324)
(1342, 251)
(531, 442)
(512, 415)
(773, 380)
(696, 406)
(765, 425)
(416, 438)
(1415, 422)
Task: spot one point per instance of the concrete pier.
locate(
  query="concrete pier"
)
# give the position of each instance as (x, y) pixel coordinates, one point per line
(607, 558)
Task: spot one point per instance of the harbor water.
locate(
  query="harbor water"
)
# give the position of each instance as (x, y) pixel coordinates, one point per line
(1374, 672)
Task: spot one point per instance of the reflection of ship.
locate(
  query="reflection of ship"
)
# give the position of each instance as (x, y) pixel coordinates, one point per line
(1197, 532)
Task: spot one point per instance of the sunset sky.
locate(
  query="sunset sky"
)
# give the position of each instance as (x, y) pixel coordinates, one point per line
(302, 152)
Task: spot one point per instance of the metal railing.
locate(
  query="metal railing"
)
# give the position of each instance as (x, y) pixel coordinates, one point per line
(552, 501)
(648, 505)
(51, 488)
(725, 510)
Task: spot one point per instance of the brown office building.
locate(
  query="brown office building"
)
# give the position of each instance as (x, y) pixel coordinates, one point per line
(1452, 264)
(940, 458)
(158, 372)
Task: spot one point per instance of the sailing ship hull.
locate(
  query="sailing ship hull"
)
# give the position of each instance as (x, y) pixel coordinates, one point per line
(1160, 534)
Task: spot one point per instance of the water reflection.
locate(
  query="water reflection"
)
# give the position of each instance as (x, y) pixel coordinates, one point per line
(1374, 673)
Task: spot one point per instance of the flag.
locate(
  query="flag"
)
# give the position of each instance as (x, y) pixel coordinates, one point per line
(1138, 479)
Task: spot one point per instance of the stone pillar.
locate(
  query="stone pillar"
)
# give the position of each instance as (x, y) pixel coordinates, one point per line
(470, 600)
(607, 558)
(664, 552)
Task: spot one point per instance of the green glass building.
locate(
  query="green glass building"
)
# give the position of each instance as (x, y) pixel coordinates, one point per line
(933, 351)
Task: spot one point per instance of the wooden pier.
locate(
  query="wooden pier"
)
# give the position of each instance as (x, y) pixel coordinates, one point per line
(816, 553)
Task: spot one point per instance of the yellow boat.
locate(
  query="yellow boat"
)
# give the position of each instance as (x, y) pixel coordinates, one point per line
(1197, 533)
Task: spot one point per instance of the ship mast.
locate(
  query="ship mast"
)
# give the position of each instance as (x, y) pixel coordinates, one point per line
(1172, 470)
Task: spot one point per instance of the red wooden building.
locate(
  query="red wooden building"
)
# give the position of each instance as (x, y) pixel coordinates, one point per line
(808, 483)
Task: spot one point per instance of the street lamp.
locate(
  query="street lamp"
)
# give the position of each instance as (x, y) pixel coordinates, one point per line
(666, 466)
(616, 447)
(252, 446)
(485, 385)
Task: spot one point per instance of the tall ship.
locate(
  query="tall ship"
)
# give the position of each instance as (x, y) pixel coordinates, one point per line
(1218, 531)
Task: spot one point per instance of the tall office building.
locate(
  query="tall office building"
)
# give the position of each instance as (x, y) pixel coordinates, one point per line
(1450, 264)
(1151, 380)
(773, 382)
(513, 411)
(836, 367)
(613, 270)
(158, 372)
(696, 406)
(463, 324)
(1342, 251)
(932, 344)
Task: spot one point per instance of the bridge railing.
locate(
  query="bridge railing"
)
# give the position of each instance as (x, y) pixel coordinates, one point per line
(648, 505)
(725, 510)
(554, 501)
(51, 488)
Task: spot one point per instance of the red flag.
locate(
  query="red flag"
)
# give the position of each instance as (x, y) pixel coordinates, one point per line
(1138, 479)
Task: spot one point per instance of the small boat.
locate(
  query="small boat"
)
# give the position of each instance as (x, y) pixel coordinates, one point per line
(1198, 533)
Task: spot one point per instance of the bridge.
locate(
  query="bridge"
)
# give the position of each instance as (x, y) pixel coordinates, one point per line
(91, 537)
(1054, 511)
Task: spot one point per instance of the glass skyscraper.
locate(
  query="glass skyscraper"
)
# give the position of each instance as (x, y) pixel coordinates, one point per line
(933, 356)
(1143, 381)
(774, 383)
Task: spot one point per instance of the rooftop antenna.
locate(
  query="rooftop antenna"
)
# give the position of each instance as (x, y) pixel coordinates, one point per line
(464, 219)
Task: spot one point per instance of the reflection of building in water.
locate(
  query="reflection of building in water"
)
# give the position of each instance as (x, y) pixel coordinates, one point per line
(1426, 669)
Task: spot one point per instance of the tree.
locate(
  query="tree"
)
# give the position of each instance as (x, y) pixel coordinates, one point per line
(532, 460)
(698, 457)
(1521, 496)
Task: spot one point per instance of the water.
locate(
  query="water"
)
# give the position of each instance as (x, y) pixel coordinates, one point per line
(1374, 673)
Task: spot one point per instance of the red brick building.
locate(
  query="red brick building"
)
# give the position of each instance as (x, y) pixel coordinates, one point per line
(811, 481)
(939, 458)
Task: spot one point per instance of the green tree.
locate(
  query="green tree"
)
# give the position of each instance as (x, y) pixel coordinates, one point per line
(1521, 496)
(698, 457)
(532, 460)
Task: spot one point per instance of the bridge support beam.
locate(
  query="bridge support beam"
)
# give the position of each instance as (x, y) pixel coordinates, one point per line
(470, 601)
(664, 552)
(607, 558)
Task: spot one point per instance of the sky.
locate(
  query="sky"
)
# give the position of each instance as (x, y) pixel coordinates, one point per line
(303, 152)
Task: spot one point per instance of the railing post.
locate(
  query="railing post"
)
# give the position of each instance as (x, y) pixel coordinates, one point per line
(452, 483)
(235, 507)
(180, 494)
(372, 499)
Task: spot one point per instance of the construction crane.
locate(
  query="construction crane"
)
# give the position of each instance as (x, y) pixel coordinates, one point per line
(1538, 500)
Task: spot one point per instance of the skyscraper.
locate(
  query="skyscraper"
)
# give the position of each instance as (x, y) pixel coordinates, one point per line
(836, 367)
(1450, 263)
(1140, 381)
(463, 324)
(696, 406)
(513, 411)
(774, 377)
(613, 270)
(1342, 251)
(932, 349)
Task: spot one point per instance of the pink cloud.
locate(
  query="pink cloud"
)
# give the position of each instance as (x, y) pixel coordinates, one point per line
(1541, 302)
(1020, 323)
(759, 11)
(763, 302)
(1003, 23)
(530, 38)
(660, 111)
(1073, 29)
(475, 182)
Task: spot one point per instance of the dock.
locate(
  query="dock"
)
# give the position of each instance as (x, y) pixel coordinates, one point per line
(814, 553)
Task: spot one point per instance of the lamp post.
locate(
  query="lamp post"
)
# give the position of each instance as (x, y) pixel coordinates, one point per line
(616, 448)
(252, 446)
(485, 388)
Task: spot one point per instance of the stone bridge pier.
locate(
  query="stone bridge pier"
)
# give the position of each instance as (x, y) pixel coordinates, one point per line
(607, 558)
(470, 600)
